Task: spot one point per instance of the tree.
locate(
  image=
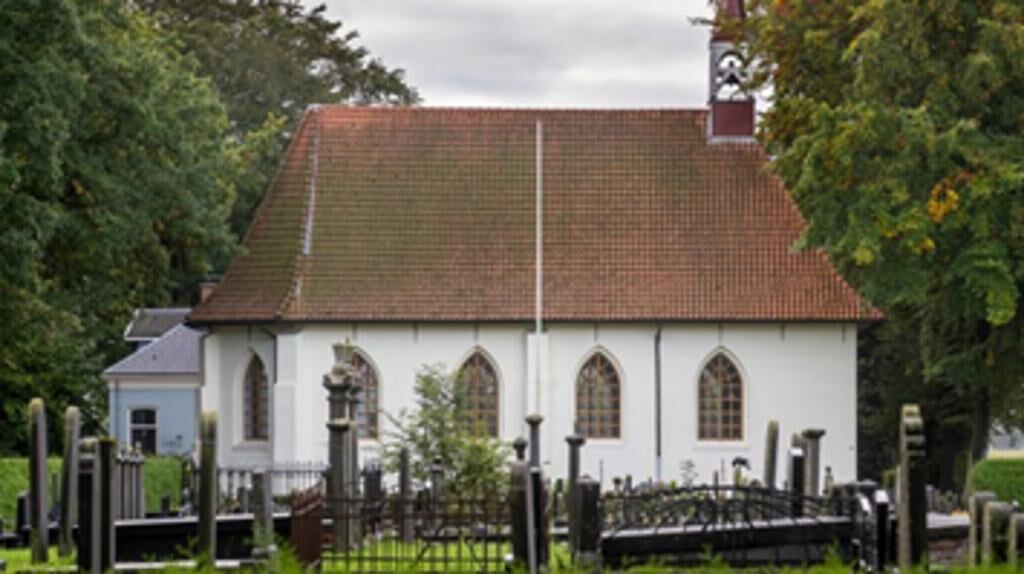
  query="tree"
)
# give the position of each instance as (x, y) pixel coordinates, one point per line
(897, 129)
(474, 462)
(115, 187)
(270, 59)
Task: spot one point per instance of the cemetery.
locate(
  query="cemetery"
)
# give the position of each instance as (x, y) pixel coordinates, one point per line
(352, 516)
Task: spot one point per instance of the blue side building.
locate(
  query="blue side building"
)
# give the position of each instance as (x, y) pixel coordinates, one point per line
(154, 392)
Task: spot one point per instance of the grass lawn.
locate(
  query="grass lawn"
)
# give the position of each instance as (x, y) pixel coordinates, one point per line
(18, 560)
(162, 477)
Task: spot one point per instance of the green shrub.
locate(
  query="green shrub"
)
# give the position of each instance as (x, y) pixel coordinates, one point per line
(1005, 477)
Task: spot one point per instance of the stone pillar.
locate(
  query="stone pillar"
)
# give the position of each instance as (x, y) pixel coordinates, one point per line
(69, 480)
(913, 526)
(996, 518)
(208, 487)
(38, 475)
(342, 439)
(771, 450)
(337, 488)
(520, 445)
(534, 421)
(812, 460)
(89, 540)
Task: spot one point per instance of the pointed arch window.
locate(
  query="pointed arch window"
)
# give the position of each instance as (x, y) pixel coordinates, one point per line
(478, 389)
(721, 400)
(256, 401)
(599, 398)
(368, 411)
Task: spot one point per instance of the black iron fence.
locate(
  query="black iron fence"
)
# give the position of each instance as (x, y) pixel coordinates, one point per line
(420, 531)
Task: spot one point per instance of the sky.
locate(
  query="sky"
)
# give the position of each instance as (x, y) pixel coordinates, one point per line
(550, 53)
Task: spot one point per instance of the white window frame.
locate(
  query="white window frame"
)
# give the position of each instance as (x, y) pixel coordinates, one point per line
(154, 426)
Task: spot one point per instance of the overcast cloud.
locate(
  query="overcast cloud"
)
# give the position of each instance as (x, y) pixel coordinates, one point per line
(555, 53)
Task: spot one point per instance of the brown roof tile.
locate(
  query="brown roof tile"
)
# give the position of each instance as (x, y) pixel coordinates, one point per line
(425, 214)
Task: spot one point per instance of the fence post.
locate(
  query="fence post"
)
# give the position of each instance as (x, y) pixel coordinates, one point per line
(262, 516)
(518, 473)
(993, 533)
(437, 493)
(69, 480)
(38, 476)
(796, 480)
(812, 460)
(540, 517)
(575, 442)
(405, 503)
(881, 557)
(771, 450)
(534, 421)
(588, 539)
(913, 528)
(88, 555)
(107, 459)
(208, 488)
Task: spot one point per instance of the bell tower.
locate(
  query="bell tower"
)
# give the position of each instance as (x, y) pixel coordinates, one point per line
(732, 109)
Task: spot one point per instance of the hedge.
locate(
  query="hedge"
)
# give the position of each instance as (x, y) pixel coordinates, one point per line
(162, 477)
(1005, 477)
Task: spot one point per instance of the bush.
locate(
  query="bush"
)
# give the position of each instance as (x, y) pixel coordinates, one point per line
(1005, 477)
(474, 464)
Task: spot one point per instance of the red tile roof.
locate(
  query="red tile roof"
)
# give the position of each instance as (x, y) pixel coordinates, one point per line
(427, 214)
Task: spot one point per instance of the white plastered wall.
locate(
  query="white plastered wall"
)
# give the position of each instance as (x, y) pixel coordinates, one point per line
(803, 375)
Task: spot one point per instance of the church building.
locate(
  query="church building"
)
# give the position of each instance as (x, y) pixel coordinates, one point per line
(627, 273)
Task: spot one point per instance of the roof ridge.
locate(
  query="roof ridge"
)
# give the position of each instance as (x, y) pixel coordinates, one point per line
(504, 108)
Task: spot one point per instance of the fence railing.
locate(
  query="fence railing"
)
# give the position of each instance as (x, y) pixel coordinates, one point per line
(418, 531)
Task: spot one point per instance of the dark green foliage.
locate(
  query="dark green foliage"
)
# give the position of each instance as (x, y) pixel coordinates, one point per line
(897, 129)
(115, 187)
(474, 464)
(124, 181)
(1003, 476)
(269, 59)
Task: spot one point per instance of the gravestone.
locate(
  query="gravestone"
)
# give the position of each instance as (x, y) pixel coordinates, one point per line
(40, 536)
(812, 461)
(771, 450)
(69, 484)
(996, 522)
(976, 509)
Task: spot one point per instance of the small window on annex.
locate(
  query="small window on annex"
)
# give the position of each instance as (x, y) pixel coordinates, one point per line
(368, 410)
(478, 388)
(720, 416)
(599, 398)
(142, 429)
(256, 401)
